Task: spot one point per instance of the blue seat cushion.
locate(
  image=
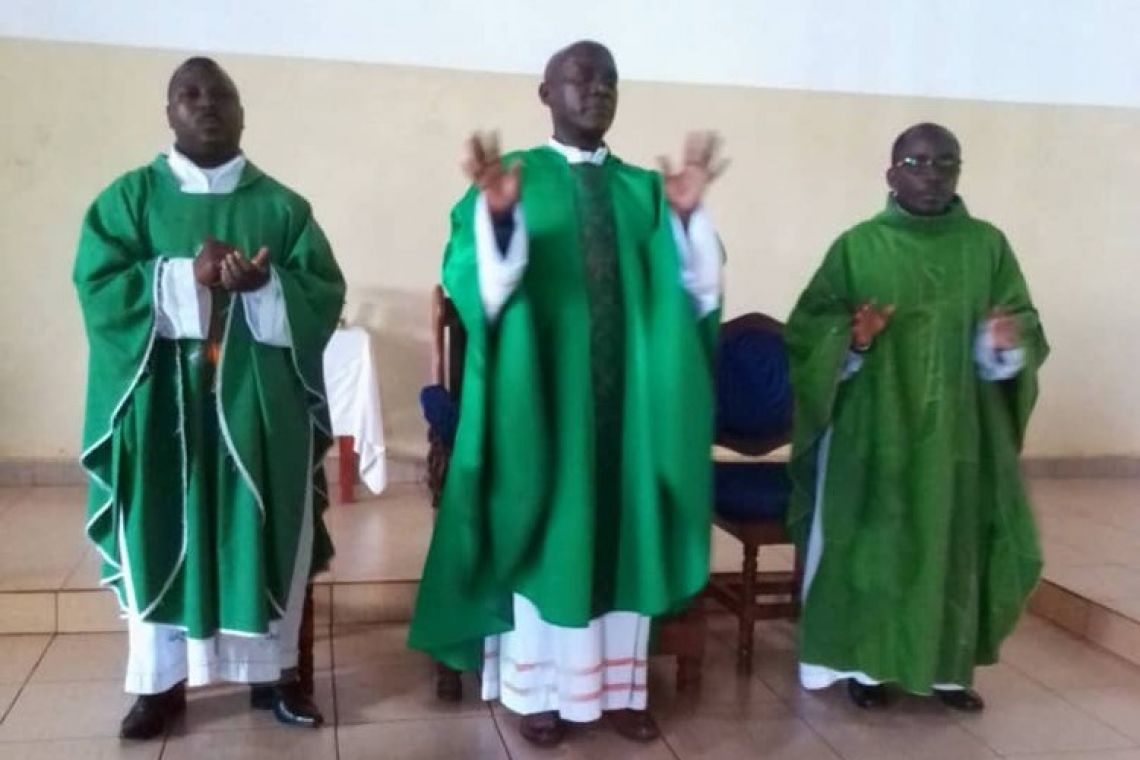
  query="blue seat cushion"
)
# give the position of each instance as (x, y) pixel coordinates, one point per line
(440, 412)
(753, 389)
(751, 491)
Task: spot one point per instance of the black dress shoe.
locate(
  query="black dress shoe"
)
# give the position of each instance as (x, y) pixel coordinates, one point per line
(289, 704)
(867, 697)
(965, 700)
(152, 714)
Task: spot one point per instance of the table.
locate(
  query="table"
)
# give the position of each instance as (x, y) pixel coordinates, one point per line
(353, 392)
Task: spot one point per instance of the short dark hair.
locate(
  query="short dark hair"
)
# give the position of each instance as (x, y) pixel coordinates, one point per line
(926, 127)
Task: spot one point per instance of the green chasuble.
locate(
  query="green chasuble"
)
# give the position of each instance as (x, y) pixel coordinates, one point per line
(580, 476)
(199, 474)
(929, 549)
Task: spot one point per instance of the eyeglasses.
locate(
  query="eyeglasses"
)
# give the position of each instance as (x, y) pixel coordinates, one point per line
(941, 164)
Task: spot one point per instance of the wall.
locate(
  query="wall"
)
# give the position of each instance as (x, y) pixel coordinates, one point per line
(375, 143)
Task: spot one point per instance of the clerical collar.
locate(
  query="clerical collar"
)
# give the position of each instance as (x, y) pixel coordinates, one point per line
(898, 215)
(195, 179)
(578, 156)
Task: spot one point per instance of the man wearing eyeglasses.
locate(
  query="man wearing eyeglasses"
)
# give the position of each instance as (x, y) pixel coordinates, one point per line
(914, 354)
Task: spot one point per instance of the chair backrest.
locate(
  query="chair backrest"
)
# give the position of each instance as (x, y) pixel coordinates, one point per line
(449, 342)
(753, 385)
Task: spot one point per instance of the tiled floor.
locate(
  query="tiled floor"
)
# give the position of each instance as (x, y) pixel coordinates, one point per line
(1052, 698)
(377, 539)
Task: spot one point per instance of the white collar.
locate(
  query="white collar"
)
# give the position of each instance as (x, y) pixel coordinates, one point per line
(195, 179)
(577, 155)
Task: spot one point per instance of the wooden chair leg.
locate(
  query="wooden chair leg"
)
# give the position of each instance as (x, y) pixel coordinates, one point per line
(347, 469)
(305, 645)
(448, 685)
(747, 608)
(688, 672)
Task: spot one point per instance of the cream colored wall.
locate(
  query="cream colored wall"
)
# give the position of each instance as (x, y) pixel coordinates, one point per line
(376, 149)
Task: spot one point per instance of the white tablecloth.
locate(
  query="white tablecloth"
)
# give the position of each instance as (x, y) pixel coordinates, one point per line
(354, 401)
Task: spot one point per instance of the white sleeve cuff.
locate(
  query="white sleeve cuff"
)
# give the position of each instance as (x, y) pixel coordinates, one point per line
(499, 272)
(994, 365)
(265, 313)
(701, 259)
(183, 308)
(852, 363)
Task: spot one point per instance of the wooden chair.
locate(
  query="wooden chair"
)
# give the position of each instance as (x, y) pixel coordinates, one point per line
(754, 417)
(681, 636)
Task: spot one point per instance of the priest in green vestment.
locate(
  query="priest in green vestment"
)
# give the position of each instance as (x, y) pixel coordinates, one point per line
(208, 293)
(914, 355)
(577, 501)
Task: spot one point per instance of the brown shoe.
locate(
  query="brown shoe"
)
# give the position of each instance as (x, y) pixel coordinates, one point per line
(448, 685)
(636, 725)
(544, 729)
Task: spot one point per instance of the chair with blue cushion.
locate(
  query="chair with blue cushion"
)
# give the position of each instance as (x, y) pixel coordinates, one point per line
(754, 418)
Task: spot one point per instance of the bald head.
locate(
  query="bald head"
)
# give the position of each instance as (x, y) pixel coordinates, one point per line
(579, 87)
(586, 48)
(926, 131)
(196, 64)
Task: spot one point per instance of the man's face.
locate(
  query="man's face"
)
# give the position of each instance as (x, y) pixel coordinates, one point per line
(582, 93)
(925, 173)
(205, 112)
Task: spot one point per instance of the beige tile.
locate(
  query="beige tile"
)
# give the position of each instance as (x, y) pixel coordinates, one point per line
(27, 612)
(86, 573)
(10, 495)
(16, 473)
(381, 539)
(1047, 725)
(1061, 661)
(711, 738)
(1064, 608)
(8, 692)
(83, 657)
(225, 709)
(583, 740)
(1108, 754)
(80, 710)
(894, 735)
(722, 691)
(41, 539)
(373, 602)
(379, 644)
(19, 655)
(89, 612)
(322, 603)
(1118, 706)
(277, 742)
(423, 740)
(1129, 608)
(1116, 633)
(1098, 582)
(82, 749)
(373, 693)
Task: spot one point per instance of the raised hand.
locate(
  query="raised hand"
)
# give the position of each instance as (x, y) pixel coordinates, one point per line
(867, 322)
(484, 166)
(240, 274)
(685, 187)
